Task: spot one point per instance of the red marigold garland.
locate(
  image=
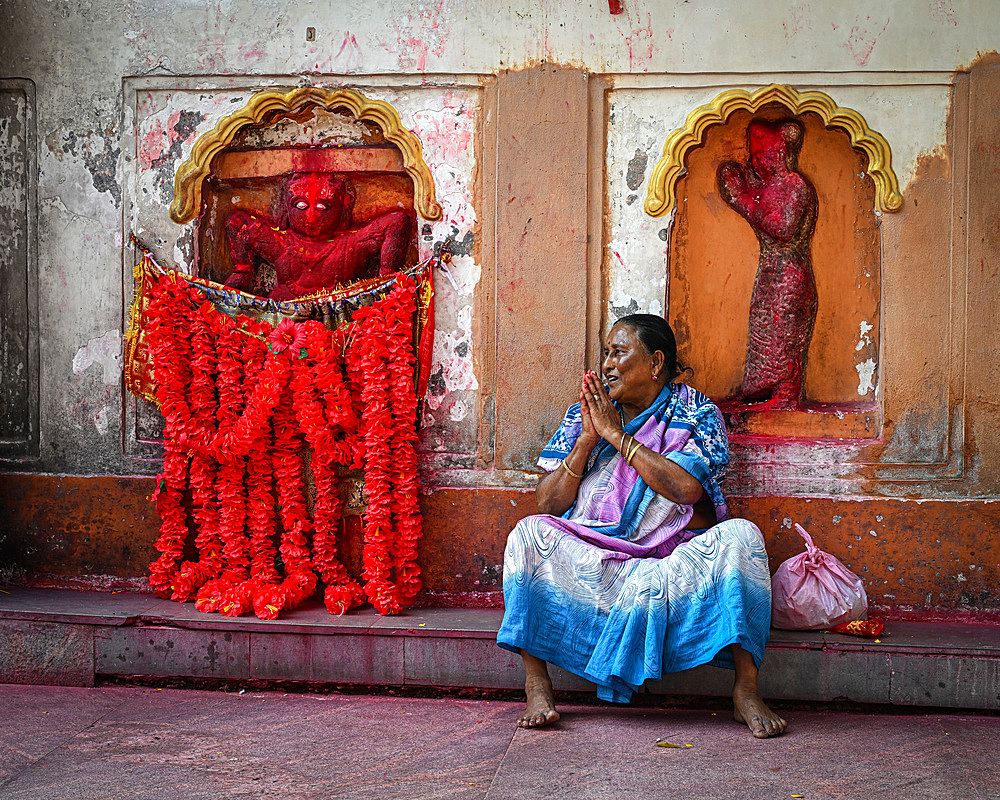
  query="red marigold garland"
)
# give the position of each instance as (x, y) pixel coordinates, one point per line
(223, 595)
(167, 320)
(403, 401)
(173, 520)
(204, 343)
(241, 400)
(300, 580)
(369, 362)
(330, 445)
(264, 584)
(260, 509)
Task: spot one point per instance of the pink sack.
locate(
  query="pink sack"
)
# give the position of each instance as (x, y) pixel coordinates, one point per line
(814, 590)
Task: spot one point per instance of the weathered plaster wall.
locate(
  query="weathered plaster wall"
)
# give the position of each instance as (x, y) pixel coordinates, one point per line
(77, 54)
(541, 122)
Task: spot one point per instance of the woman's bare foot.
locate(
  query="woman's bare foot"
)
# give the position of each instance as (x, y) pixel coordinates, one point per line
(541, 708)
(748, 706)
(750, 709)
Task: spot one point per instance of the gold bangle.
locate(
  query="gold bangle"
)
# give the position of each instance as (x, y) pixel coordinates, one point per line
(566, 467)
(635, 448)
(625, 447)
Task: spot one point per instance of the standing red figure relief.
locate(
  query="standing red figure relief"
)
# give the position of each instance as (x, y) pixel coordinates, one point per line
(313, 246)
(780, 204)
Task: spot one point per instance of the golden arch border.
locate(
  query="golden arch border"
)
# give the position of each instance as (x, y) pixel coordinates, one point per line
(660, 195)
(192, 172)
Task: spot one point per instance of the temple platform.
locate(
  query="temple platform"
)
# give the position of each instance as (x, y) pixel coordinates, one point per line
(80, 638)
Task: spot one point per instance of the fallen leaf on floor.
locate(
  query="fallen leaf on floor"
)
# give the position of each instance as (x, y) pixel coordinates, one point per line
(669, 744)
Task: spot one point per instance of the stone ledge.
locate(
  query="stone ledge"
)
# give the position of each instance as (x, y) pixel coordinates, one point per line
(59, 636)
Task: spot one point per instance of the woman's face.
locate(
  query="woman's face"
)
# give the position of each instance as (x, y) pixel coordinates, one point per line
(628, 368)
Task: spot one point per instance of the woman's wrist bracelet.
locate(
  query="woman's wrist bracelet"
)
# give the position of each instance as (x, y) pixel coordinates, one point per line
(574, 474)
(621, 447)
(636, 444)
(628, 446)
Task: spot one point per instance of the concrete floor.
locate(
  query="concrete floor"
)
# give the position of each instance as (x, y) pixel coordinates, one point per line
(126, 742)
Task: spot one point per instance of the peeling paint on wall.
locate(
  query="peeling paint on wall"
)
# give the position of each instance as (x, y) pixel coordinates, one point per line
(98, 151)
(102, 420)
(866, 374)
(105, 351)
(864, 340)
(421, 32)
(452, 370)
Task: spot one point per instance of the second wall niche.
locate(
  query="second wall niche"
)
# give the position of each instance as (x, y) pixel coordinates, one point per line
(714, 255)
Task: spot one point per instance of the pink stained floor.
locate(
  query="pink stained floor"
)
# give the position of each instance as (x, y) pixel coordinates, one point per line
(169, 744)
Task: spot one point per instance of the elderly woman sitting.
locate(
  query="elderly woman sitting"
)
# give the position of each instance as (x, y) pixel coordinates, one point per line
(633, 570)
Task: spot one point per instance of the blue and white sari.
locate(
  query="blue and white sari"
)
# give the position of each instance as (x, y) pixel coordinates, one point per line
(616, 590)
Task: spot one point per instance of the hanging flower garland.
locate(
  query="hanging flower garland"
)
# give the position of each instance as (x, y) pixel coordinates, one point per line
(247, 406)
(403, 401)
(167, 321)
(202, 392)
(368, 361)
(331, 444)
(218, 595)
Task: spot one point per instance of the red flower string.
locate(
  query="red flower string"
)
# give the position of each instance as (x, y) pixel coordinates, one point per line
(368, 360)
(167, 316)
(204, 343)
(300, 580)
(242, 401)
(330, 446)
(403, 401)
(234, 373)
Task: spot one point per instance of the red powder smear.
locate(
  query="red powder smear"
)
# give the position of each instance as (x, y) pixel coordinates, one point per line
(615, 6)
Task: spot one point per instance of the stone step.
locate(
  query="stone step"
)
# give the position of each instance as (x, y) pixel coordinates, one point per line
(68, 637)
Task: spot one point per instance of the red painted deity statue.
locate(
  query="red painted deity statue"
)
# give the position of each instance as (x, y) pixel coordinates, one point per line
(314, 246)
(780, 204)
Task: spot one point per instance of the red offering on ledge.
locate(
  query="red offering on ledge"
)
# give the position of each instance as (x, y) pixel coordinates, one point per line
(869, 628)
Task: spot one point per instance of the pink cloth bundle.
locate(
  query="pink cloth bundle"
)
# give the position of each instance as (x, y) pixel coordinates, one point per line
(813, 590)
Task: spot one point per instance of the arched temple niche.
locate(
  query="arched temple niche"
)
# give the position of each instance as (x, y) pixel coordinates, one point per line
(713, 265)
(248, 162)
